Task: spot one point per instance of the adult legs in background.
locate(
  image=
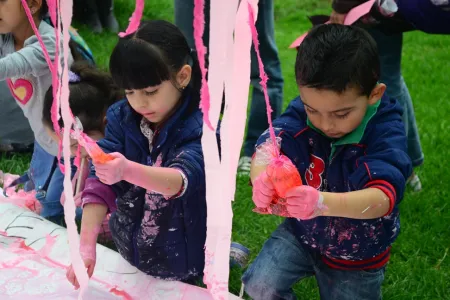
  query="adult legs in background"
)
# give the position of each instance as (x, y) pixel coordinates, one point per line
(97, 14)
(390, 50)
(257, 122)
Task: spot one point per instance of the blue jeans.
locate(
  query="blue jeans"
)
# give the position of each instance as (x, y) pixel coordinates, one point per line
(390, 51)
(47, 179)
(257, 122)
(283, 261)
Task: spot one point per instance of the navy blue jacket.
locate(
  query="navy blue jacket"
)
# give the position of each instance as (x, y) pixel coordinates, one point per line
(426, 16)
(373, 155)
(163, 238)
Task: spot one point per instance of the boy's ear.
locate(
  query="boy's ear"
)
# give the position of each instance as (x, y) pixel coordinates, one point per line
(377, 93)
(35, 5)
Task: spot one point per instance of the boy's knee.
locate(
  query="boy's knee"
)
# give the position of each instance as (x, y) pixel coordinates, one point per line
(260, 285)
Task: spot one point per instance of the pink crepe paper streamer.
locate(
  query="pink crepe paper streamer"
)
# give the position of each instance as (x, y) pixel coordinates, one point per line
(69, 205)
(262, 75)
(135, 19)
(353, 15)
(199, 28)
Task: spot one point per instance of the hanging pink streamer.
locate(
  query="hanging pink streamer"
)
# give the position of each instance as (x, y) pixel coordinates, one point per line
(69, 205)
(199, 28)
(135, 19)
(262, 75)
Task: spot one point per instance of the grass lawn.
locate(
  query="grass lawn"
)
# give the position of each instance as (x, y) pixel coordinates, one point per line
(419, 267)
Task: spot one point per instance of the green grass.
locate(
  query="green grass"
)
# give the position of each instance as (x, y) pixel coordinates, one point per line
(419, 267)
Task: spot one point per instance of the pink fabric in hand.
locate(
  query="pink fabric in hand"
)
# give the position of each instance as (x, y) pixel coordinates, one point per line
(304, 202)
(263, 191)
(112, 171)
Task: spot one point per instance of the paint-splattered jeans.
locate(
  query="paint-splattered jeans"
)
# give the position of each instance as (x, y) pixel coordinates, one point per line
(47, 179)
(257, 120)
(283, 261)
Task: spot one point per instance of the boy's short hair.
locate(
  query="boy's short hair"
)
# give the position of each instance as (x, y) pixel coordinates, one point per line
(336, 57)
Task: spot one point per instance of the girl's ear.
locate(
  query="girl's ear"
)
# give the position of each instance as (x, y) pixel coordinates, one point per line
(35, 5)
(184, 76)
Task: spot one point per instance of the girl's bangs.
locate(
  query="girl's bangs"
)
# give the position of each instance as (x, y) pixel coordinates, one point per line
(136, 65)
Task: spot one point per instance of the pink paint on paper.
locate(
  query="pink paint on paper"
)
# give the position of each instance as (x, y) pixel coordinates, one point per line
(199, 28)
(353, 15)
(135, 19)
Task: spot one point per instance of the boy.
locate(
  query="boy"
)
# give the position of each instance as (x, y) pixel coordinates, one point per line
(348, 143)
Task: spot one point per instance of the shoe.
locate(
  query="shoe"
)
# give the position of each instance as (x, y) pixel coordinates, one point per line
(244, 165)
(110, 22)
(94, 23)
(414, 182)
(239, 255)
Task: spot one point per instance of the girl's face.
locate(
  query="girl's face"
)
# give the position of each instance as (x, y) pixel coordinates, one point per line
(95, 135)
(156, 103)
(13, 17)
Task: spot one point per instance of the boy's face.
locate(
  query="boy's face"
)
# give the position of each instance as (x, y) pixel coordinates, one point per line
(338, 114)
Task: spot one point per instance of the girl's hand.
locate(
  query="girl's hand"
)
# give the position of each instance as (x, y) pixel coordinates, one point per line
(88, 254)
(112, 171)
(337, 18)
(263, 191)
(304, 202)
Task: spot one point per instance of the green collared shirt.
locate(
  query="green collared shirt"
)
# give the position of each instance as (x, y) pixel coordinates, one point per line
(356, 135)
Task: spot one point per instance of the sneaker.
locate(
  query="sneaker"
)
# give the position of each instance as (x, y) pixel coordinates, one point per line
(244, 165)
(111, 23)
(414, 182)
(94, 23)
(239, 255)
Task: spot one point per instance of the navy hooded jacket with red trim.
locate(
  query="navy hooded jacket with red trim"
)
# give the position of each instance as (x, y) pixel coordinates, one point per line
(373, 155)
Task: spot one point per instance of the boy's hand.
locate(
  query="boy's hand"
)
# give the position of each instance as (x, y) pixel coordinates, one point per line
(337, 17)
(304, 202)
(88, 254)
(112, 171)
(263, 190)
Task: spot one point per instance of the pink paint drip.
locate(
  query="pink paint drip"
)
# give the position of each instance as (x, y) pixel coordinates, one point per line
(135, 19)
(262, 75)
(199, 28)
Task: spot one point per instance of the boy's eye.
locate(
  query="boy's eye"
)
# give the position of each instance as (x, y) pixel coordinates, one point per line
(310, 110)
(128, 92)
(343, 116)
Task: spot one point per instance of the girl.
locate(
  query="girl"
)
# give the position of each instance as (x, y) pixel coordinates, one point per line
(28, 76)
(91, 93)
(157, 175)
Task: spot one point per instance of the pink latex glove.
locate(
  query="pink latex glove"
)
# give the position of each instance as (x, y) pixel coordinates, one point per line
(112, 171)
(304, 202)
(263, 191)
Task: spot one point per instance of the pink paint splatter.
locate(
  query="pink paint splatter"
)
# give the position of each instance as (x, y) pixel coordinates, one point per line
(135, 19)
(121, 293)
(344, 236)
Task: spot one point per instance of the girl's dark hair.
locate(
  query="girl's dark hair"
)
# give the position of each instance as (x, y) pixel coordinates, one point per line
(89, 98)
(44, 9)
(153, 54)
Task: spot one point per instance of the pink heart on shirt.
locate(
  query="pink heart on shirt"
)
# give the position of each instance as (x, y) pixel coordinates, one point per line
(22, 90)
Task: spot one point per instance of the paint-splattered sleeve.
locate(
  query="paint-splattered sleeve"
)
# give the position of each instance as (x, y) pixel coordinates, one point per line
(386, 164)
(188, 159)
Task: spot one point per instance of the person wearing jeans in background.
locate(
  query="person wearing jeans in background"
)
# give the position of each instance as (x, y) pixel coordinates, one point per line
(390, 52)
(257, 121)
(97, 14)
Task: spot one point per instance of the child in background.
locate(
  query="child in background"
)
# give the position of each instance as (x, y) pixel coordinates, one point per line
(92, 92)
(157, 176)
(348, 142)
(23, 65)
